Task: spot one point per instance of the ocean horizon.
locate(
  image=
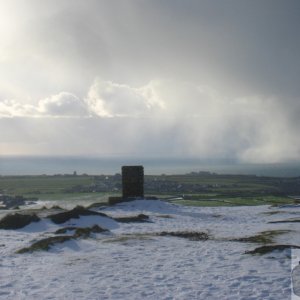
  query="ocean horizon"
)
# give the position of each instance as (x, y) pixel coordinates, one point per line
(21, 165)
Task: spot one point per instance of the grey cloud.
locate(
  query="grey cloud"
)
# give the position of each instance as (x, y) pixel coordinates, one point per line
(196, 78)
(63, 104)
(238, 46)
(108, 99)
(155, 119)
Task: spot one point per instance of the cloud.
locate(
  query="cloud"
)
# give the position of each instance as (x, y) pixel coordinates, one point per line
(161, 118)
(12, 108)
(63, 104)
(104, 99)
(108, 99)
(63, 45)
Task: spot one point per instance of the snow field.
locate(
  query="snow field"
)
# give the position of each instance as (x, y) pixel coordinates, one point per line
(131, 262)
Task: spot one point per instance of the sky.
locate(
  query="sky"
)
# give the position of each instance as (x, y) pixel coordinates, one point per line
(203, 79)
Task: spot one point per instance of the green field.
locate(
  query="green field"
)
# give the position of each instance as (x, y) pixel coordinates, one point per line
(250, 201)
(195, 190)
(37, 185)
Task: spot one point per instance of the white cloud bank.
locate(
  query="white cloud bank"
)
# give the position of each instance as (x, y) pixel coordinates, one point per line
(108, 99)
(165, 118)
(61, 105)
(104, 99)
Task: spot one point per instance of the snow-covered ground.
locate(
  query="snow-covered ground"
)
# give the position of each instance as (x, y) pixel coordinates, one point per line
(130, 262)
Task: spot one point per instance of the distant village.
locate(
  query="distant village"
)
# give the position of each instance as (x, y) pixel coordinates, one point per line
(184, 186)
(152, 185)
(162, 184)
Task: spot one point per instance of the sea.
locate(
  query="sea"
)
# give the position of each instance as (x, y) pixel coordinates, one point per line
(21, 165)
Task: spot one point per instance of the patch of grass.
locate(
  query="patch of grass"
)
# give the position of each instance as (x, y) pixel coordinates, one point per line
(141, 218)
(271, 213)
(75, 213)
(236, 201)
(265, 237)
(56, 207)
(293, 220)
(270, 248)
(164, 216)
(205, 196)
(17, 221)
(38, 185)
(97, 205)
(45, 244)
(278, 200)
(56, 196)
(208, 203)
(217, 216)
(191, 235)
(81, 231)
(128, 237)
(65, 230)
(242, 201)
(86, 231)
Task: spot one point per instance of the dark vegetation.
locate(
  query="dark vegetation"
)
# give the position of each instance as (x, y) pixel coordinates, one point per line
(270, 248)
(75, 213)
(129, 219)
(81, 231)
(47, 243)
(191, 235)
(78, 211)
(265, 237)
(86, 231)
(64, 230)
(286, 221)
(17, 221)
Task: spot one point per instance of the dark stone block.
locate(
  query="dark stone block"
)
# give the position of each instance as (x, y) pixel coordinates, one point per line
(133, 181)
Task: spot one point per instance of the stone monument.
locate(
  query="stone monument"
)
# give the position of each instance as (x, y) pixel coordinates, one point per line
(133, 182)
